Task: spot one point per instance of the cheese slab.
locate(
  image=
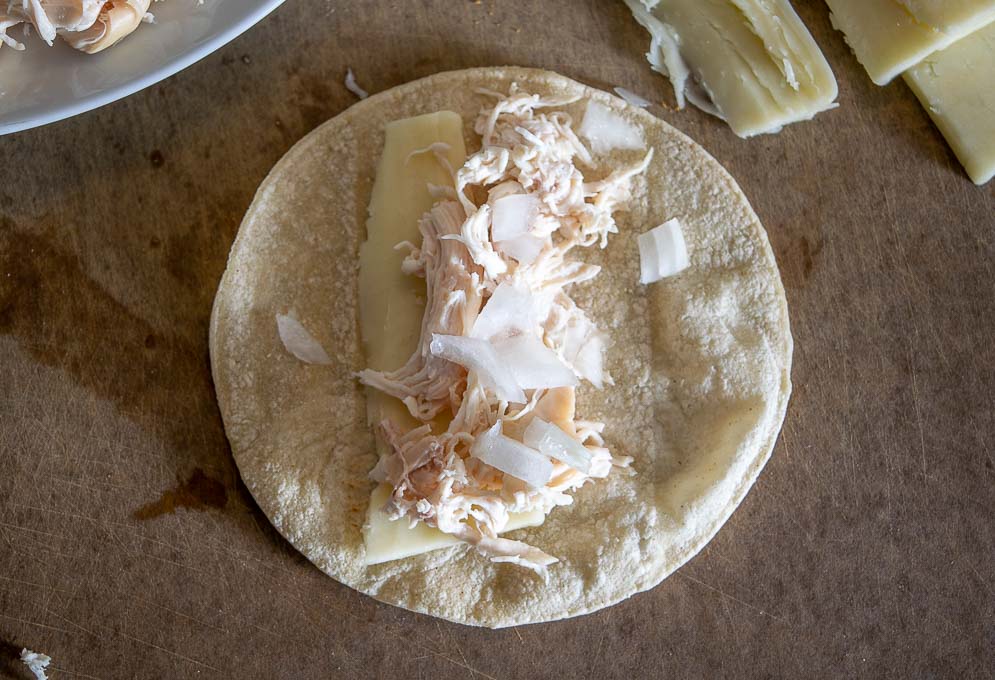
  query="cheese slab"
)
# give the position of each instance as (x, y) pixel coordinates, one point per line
(388, 540)
(754, 62)
(391, 303)
(957, 88)
(891, 36)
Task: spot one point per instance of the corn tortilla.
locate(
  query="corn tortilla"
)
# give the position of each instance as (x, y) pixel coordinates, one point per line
(701, 364)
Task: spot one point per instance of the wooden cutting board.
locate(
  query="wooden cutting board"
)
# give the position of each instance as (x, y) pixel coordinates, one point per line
(131, 549)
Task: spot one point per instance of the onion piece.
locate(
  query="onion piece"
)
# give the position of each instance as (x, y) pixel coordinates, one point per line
(590, 361)
(512, 457)
(299, 342)
(632, 97)
(524, 249)
(512, 216)
(662, 252)
(353, 86)
(555, 443)
(533, 365)
(582, 346)
(510, 308)
(479, 356)
(607, 130)
(36, 662)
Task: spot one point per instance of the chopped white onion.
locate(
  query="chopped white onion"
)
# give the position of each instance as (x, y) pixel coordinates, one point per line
(590, 362)
(512, 457)
(555, 443)
(524, 249)
(632, 97)
(35, 661)
(607, 130)
(662, 252)
(478, 355)
(510, 309)
(353, 86)
(582, 347)
(299, 342)
(512, 216)
(534, 365)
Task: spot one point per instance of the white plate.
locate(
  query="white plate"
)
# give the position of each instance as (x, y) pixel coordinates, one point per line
(44, 84)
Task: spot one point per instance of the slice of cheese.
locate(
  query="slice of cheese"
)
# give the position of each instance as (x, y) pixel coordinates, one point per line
(957, 88)
(388, 540)
(391, 303)
(754, 59)
(891, 36)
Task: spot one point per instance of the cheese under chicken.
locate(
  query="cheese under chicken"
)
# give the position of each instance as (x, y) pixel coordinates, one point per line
(502, 343)
(417, 152)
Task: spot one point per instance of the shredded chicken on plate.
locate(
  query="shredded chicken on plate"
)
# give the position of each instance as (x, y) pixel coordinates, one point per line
(87, 25)
(503, 346)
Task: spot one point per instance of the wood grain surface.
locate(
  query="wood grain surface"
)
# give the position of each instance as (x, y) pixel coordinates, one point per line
(129, 547)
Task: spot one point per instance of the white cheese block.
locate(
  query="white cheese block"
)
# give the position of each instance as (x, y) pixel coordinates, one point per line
(957, 88)
(891, 36)
(388, 540)
(754, 59)
(391, 304)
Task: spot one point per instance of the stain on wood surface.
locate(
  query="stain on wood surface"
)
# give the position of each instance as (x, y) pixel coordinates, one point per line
(198, 492)
(10, 660)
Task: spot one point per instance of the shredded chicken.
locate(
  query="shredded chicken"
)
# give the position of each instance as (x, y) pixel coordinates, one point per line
(428, 384)
(527, 147)
(87, 25)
